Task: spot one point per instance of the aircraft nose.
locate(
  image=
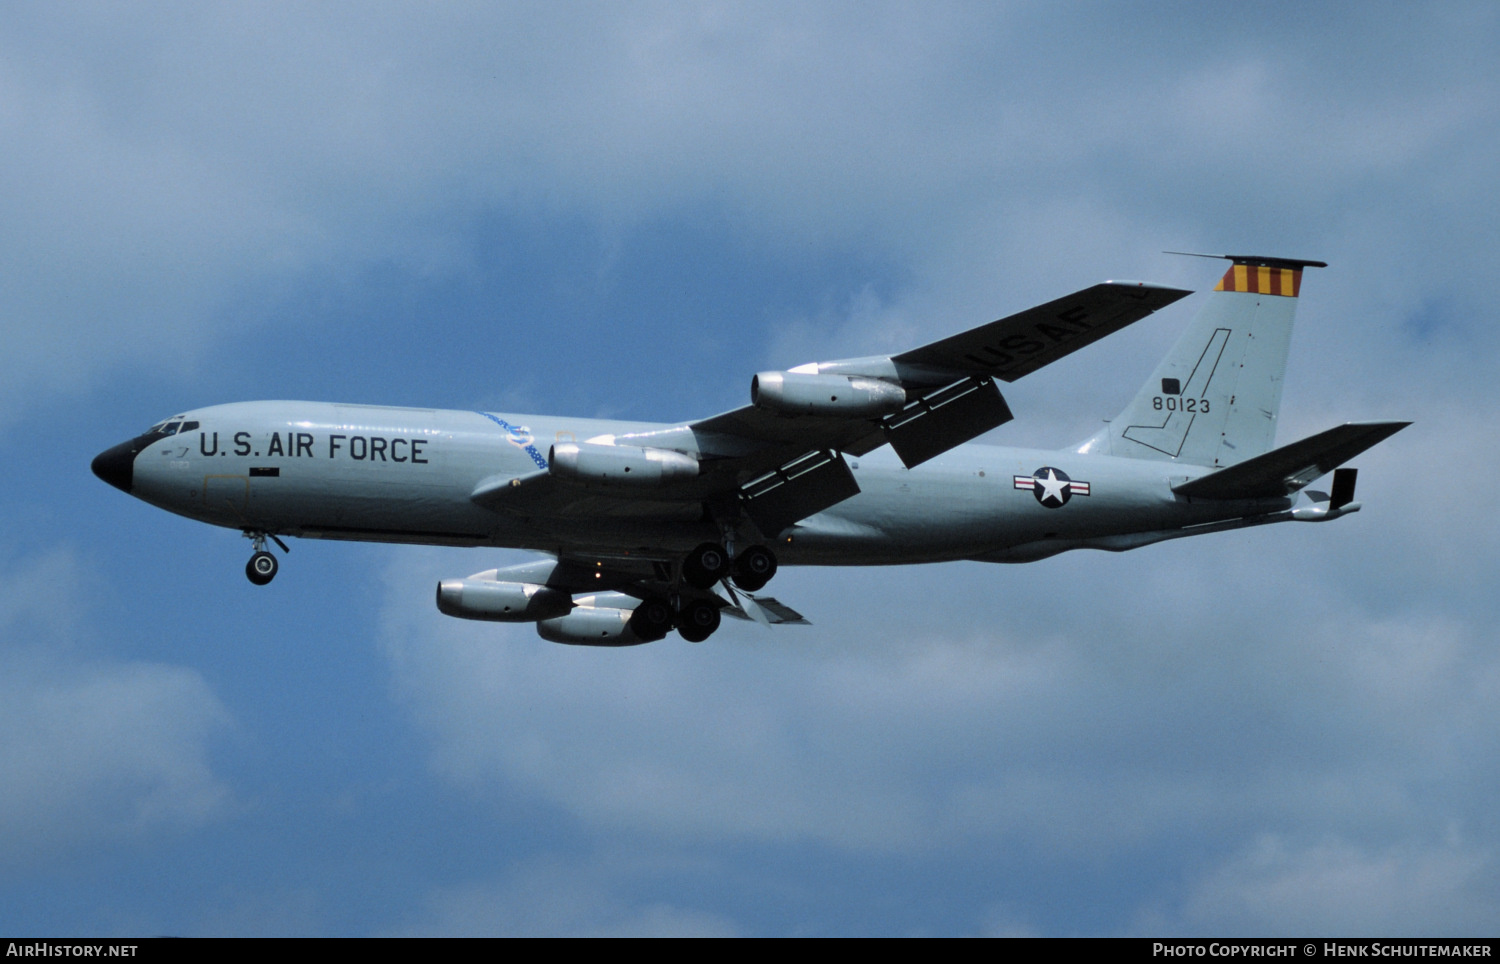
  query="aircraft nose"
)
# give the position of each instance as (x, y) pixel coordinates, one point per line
(117, 465)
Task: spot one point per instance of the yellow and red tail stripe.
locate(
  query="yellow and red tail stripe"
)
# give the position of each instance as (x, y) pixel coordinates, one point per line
(1262, 279)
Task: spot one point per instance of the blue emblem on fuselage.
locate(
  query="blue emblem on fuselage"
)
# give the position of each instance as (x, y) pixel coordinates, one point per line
(520, 436)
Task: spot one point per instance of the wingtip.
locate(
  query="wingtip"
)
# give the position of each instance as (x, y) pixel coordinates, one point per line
(1167, 293)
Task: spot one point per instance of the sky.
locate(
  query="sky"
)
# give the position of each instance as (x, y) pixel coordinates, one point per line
(625, 211)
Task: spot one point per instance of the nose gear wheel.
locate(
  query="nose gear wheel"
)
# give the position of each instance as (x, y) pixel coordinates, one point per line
(261, 568)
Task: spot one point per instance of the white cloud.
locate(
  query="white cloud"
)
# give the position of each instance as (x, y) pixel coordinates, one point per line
(167, 160)
(93, 750)
(1277, 887)
(1325, 684)
(938, 707)
(552, 898)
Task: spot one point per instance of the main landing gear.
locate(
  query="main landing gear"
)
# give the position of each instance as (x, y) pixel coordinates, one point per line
(263, 566)
(704, 567)
(709, 563)
(652, 619)
(696, 619)
(753, 568)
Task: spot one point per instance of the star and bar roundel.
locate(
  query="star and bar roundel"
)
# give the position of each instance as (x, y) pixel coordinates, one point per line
(1052, 487)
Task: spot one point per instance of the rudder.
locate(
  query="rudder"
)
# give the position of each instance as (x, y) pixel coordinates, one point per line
(1214, 399)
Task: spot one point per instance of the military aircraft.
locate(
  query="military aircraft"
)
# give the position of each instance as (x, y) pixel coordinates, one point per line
(649, 528)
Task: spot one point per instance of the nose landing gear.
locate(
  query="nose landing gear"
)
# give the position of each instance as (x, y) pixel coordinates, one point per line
(262, 567)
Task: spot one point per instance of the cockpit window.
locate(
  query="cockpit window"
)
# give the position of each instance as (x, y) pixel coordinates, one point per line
(171, 427)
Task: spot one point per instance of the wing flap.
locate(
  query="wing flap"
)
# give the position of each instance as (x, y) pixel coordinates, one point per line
(932, 425)
(795, 491)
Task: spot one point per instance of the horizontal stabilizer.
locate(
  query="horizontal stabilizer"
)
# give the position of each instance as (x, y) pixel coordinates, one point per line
(1280, 472)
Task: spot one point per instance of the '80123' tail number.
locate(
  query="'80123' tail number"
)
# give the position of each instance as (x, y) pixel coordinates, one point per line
(1172, 403)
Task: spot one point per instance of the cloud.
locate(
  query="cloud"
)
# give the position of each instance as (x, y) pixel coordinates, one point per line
(1267, 718)
(554, 898)
(94, 750)
(176, 171)
(1018, 718)
(1278, 887)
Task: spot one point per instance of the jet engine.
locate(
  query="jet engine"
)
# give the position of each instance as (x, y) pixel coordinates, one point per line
(590, 626)
(630, 465)
(804, 393)
(502, 602)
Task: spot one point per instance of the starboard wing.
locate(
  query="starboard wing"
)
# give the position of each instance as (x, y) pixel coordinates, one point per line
(782, 465)
(1020, 344)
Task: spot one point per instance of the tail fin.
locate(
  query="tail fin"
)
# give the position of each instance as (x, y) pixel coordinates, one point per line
(1213, 400)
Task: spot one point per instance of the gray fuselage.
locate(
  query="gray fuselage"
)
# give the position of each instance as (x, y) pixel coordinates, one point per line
(371, 473)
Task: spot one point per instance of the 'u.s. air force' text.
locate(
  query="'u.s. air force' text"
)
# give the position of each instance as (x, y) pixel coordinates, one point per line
(305, 445)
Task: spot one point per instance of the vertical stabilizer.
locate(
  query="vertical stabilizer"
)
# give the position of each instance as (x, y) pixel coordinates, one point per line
(1213, 400)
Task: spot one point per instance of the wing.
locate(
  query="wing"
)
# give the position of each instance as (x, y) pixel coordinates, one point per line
(781, 458)
(1022, 343)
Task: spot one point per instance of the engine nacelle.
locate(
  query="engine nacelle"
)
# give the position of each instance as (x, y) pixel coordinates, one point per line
(501, 602)
(804, 393)
(629, 465)
(589, 626)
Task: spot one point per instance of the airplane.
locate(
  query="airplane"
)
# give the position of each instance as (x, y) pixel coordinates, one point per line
(647, 528)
